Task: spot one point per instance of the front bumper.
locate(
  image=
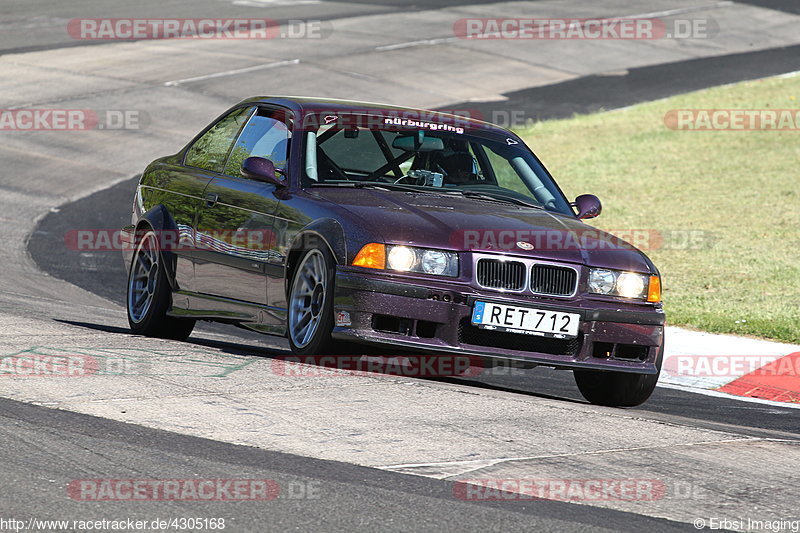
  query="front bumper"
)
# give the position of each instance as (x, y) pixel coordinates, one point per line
(436, 317)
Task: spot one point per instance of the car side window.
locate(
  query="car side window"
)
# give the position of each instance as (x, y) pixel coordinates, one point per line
(210, 151)
(267, 134)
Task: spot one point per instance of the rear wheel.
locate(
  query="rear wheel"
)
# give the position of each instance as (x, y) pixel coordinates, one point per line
(149, 294)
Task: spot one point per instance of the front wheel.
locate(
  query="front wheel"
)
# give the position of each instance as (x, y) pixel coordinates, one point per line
(311, 303)
(615, 389)
(149, 295)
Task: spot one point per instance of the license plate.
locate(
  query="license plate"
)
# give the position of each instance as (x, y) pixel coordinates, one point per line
(525, 320)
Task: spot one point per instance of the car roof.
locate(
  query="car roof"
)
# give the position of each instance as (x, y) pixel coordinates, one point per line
(312, 105)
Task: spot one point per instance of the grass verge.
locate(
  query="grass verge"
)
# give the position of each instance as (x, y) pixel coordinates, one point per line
(725, 204)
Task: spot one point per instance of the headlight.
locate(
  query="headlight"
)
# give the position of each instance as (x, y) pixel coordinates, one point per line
(408, 259)
(625, 284)
(434, 262)
(601, 281)
(631, 285)
(401, 258)
(422, 260)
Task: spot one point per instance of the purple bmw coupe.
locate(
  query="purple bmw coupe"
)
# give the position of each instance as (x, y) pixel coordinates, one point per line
(331, 222)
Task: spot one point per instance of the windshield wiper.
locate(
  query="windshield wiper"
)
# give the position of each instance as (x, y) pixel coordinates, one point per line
(371, 185)
(497, 198)
(492, 197)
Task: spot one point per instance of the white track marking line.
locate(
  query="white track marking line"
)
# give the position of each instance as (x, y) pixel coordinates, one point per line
(679, 11)
(175, 83)
(273, 3)
(482, 463)
(411, 44)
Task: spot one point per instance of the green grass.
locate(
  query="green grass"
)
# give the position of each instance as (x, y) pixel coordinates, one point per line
(739, 191)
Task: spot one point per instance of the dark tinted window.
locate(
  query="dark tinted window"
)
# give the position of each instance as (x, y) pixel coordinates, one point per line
(266, 135)
(430, 154)
(211, 150)
(358, 150)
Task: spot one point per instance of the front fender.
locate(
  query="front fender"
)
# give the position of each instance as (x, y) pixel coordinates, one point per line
(324, 230)
(159, 220)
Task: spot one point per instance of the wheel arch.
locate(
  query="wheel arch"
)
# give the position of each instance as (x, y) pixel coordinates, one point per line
(326, 232)
(160, 221)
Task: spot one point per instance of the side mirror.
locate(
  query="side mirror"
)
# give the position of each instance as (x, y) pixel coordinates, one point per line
(262, 169)
(588, 206)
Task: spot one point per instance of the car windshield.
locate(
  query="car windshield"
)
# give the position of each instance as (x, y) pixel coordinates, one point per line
(433, 156)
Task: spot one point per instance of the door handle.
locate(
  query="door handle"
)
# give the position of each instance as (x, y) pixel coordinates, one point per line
(211, 199)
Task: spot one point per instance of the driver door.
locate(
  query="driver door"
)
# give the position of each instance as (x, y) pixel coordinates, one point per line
(235, 237)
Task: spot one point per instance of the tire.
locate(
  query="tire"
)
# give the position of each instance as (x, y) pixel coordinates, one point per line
(310, 303)
(617, 389)
(149, 294)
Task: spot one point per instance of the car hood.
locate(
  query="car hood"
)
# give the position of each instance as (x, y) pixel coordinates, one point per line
(470, 224)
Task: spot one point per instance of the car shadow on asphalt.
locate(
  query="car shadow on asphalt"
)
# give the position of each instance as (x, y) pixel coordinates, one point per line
(231, 348)
(501, 388)
(234, 348)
